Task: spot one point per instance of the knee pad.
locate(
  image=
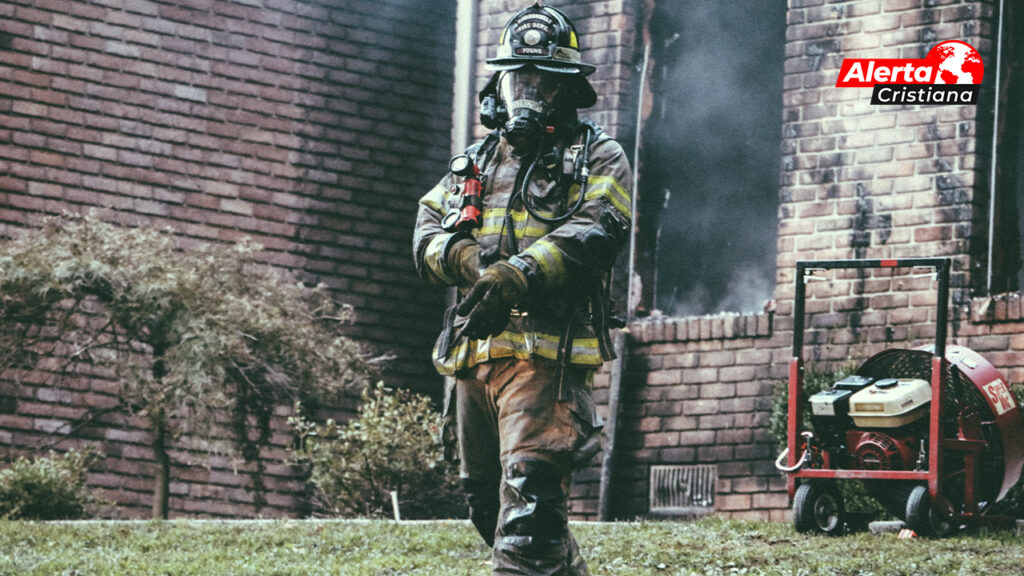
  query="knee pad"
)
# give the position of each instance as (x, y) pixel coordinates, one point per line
(533, 531)
(535, 502)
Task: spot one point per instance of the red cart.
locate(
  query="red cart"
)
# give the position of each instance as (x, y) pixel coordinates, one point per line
(933, 432)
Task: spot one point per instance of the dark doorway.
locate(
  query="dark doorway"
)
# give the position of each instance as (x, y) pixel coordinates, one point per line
(709, 176)
(1006, 265)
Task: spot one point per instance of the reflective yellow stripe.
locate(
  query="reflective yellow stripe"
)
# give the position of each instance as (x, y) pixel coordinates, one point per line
(509, 344)
(584, 350)
(498, 214)
(520, 233)
(574, 193)
(494, 221)
(609, 187)
(527, 227)
(549, 257)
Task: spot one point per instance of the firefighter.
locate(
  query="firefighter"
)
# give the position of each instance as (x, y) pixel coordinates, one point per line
(527, 224)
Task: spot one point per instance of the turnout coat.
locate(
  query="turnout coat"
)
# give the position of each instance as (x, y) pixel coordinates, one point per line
(564, 316)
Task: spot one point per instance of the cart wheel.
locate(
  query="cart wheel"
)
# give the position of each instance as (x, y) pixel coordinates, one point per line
(924, 518)
(818, 506)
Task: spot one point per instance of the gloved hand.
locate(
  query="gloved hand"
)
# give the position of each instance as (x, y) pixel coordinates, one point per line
(487, 306)
(464, 262)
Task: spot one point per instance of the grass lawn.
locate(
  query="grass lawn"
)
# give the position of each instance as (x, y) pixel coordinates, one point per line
(378, 548)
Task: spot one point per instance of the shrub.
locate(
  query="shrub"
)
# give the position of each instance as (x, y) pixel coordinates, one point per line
(50, 488)
(392, 445)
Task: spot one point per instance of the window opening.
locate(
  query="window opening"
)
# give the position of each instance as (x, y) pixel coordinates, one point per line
(1006, 219)
(709, 181)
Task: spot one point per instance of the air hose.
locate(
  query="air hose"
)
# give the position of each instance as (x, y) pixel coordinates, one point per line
(804, 458)
(581, 175)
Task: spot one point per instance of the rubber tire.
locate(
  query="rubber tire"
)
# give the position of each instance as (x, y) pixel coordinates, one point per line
(818, 506)
(923, 518)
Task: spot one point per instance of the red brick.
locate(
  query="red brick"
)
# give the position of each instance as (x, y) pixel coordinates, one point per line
(733, 502)
(718, 390)
(664, 377)
(659, 439)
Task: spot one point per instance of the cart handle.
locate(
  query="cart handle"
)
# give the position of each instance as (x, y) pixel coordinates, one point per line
(941, 266)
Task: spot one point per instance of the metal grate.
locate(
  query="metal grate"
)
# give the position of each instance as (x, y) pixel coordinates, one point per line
(683, 489)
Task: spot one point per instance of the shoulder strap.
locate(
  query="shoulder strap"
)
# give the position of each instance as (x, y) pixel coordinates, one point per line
(596, 131)
(483, 149)
(588, 124)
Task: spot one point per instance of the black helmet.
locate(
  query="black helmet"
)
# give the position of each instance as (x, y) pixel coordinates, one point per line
(544, 37)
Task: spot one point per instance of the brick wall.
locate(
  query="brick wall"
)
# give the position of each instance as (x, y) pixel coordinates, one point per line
(312, 127)
(695, 391)
(867, 181)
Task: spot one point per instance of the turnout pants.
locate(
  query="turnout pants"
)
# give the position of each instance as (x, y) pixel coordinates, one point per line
(521, 431)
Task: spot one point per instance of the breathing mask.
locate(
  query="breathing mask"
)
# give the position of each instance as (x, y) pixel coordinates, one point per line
(529, 96)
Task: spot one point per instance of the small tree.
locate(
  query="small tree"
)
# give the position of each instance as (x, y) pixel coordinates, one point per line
(392, 446)
(187, 334)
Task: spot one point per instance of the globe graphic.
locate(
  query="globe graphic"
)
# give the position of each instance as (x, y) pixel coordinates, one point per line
(958, 63)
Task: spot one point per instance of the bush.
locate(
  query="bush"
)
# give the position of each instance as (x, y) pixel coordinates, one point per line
(47, 488)
(392, 445)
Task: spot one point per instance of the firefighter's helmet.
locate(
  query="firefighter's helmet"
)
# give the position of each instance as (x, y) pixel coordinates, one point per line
(545, 38)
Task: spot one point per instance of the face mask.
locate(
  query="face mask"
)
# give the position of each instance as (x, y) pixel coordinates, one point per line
(528, 94)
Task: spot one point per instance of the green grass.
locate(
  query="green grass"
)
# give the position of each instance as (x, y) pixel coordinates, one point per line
(379, 548)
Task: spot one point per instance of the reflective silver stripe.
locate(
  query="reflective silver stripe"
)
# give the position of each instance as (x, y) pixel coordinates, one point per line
(435, 199)
(433, 257)
(584, 350)
(608, 187)
(525, 226)
(509, 344)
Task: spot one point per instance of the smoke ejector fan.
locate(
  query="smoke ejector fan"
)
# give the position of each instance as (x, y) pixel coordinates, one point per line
(934, 432)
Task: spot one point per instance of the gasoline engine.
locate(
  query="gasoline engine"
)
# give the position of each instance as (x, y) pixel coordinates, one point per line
(873, 424)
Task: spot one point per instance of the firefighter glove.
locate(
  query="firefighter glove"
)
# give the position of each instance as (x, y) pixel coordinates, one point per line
(463, 260)
(488, 304)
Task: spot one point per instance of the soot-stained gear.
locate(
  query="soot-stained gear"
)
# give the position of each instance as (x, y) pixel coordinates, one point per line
(533, 530)
(483, 499)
